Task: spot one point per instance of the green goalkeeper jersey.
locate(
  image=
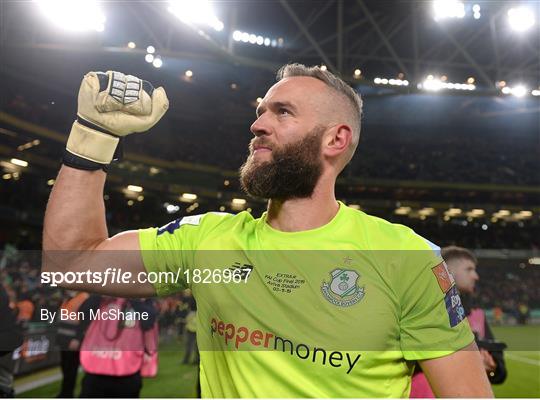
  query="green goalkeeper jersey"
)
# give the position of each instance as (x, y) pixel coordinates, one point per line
(338, 311)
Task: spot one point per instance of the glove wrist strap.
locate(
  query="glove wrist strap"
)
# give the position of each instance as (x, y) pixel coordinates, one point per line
(74, 161)
(91, 145)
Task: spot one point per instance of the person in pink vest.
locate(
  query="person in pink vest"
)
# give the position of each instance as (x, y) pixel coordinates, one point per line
(118, 334)
(462, 265)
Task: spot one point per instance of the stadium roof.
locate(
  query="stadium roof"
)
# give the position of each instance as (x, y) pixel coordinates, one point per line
(378, 37)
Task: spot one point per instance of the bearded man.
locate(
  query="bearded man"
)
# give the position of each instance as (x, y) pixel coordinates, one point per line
(330, 302)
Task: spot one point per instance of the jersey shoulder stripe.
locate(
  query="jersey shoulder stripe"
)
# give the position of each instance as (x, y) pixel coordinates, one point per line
(194, 220)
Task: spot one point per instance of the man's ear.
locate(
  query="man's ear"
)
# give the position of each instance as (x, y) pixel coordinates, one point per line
(337, 140)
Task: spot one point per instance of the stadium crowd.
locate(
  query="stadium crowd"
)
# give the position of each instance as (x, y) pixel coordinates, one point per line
(449, 156)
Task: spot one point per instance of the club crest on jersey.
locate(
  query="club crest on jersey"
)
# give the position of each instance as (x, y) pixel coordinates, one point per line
(343, 289)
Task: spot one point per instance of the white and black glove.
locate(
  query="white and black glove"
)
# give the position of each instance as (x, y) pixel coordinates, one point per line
(111, 105)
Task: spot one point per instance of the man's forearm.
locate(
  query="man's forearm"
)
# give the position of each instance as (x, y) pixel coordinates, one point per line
(75, 214)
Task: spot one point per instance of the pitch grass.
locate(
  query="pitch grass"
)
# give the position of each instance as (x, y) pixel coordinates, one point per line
(174, 379)
(522, 363)
(178, 380)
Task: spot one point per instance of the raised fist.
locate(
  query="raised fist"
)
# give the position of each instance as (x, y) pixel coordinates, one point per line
(111, 105)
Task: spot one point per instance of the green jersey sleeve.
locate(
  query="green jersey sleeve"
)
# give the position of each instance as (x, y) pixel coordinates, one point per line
(168, 251)
(432, 321)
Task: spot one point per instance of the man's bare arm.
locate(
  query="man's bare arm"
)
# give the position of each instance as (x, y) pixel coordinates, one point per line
(461, 374)
(75, 236)
(111, 105)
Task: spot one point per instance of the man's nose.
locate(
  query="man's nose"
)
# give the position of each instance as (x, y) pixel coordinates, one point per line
(259, 127)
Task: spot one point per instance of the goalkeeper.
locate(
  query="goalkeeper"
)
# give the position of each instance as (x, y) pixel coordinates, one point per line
(318, 319)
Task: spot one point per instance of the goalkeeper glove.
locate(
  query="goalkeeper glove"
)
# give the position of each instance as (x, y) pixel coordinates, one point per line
(111, 105)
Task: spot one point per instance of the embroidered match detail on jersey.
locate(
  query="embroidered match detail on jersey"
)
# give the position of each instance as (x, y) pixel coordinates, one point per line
(283, 282)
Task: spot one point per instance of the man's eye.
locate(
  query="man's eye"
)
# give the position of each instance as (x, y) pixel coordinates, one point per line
(283, 111)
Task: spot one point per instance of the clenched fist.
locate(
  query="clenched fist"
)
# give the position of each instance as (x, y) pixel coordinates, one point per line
(110, 105)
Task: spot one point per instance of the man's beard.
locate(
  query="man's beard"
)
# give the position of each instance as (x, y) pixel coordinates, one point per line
(293, 171)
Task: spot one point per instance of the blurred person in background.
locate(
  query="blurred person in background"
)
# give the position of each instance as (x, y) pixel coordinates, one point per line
(462, 265)
(523, 313)
(25, 308)
(498, 315)
(69, 336)
(10, 338)
(190, 334)
(112, 351)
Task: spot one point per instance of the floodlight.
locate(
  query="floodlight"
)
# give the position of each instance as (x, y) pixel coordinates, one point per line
(149, 58)
(218, 25)
(534, 260)
(519, 91)
(171, 208)
(189, 73)
(266, 42)
(188, 197)
(385, 81)
(260, 40)
(158, 62)
(237, 36)
(357, 72)
(520, 18)
(535, 92)
(448, 9)
(402, 210)
(134, 188)
(245, 37)
(20, 163)
(476, 8)
(78, 16)
(132, 45)
(252, 38)
(506, 90)
(195, 12)
(432, 84)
